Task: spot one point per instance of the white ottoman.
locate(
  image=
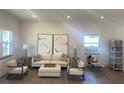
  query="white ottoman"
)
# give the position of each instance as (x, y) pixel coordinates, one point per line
(49, 71)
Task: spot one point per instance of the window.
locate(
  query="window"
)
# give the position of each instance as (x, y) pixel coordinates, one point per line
(5, 43)
(91, 43)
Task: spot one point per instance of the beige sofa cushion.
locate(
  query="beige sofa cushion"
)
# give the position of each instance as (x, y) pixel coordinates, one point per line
(60, 56)
(59, 62)
(57, 56)
(42, 62)
(46, 56)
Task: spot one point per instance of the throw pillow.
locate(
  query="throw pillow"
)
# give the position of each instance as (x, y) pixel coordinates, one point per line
(81, 64)
(64, 57)
(46, 56)
(94, 60)
(37, 58)
(57, 56)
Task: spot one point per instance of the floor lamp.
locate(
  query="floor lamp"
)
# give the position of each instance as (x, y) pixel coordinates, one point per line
(75, 58)
(25, 47)
(75, 52)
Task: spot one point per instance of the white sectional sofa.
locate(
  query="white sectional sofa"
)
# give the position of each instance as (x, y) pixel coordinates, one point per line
(59, 59)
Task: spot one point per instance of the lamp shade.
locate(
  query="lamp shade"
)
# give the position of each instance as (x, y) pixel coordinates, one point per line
(25, 46)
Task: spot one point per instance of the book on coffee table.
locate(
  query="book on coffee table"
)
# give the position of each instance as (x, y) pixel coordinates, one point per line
(49, 65)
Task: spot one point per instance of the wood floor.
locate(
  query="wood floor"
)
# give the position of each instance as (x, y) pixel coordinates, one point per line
(97, 76)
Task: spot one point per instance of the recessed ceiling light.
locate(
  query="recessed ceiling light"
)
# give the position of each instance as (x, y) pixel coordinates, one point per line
(102, 17)
(34, 16)
(68, 17)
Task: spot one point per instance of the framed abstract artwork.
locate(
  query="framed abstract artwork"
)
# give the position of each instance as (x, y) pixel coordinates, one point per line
(52, 43)
(61, 43)
(44, 44)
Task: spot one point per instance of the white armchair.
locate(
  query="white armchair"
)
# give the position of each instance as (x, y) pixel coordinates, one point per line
(76, 71)
(14, 70)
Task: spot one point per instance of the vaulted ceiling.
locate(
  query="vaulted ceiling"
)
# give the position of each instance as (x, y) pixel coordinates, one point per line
(61, 14)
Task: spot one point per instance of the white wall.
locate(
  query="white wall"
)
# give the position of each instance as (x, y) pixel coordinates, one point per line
(9, 22)
(119, 28)
(30, 29)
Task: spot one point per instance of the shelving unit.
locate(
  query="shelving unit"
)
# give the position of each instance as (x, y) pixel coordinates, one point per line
(116, 54)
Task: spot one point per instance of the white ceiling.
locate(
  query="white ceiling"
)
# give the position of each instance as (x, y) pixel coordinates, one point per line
(61, 14)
